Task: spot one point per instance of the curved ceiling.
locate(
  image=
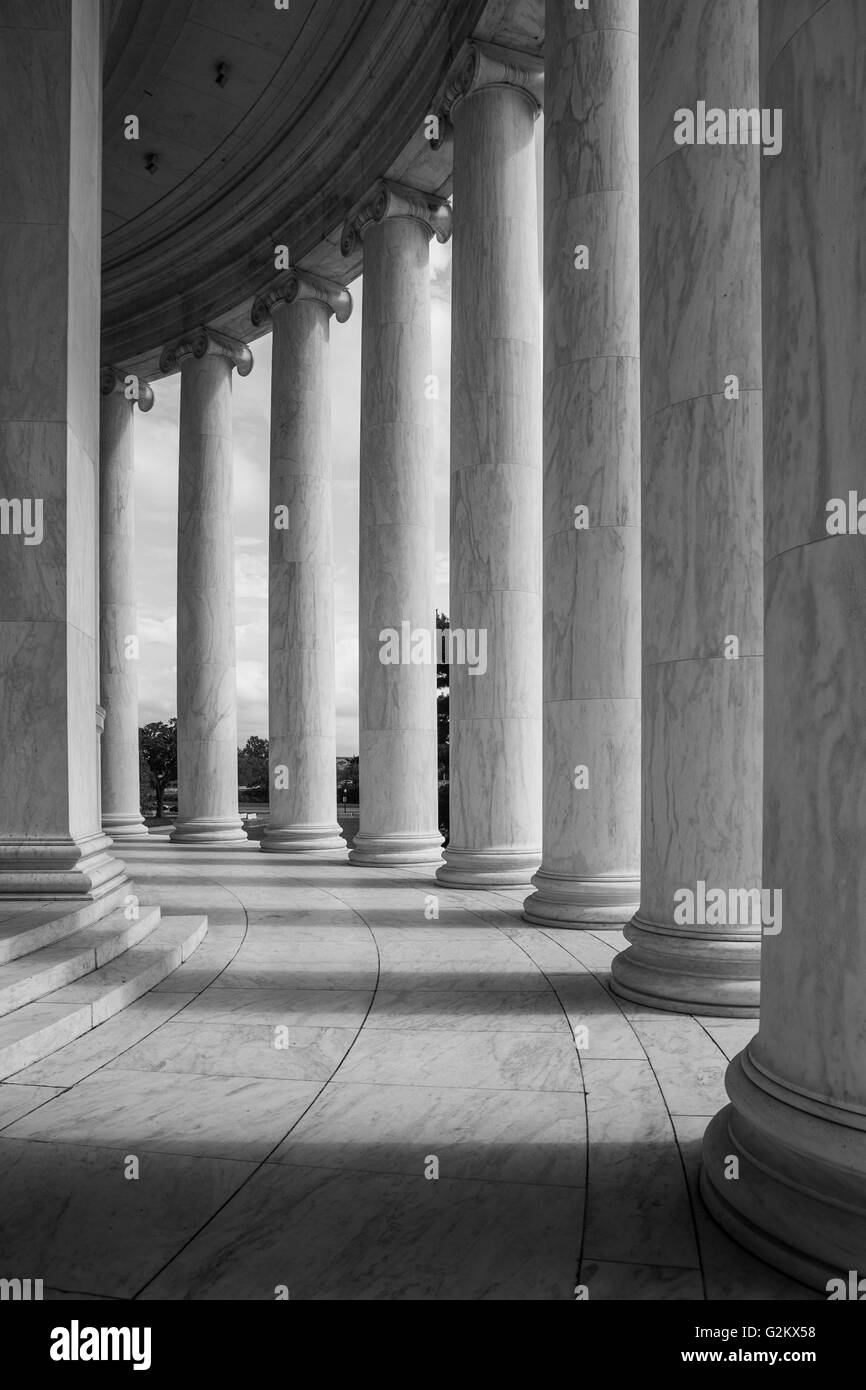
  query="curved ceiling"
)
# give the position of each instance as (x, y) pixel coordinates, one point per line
(260, 126)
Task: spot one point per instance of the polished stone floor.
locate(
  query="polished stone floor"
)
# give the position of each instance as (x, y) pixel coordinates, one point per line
(286, 1096)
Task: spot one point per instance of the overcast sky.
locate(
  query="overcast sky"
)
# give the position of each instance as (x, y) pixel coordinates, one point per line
(156, 447)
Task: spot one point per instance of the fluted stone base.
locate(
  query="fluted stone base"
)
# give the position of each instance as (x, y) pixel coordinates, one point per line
(60, 869)
(211, 834)
(574, 902)
(395, 850)
(303, 839)
(667, 968)
(131, 827)
(464, 869)
(799, 1200)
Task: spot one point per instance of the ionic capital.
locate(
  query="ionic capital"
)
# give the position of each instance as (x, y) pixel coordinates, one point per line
(388, 199)
(301, 285)
(114, 381)
(206, 342)
(481, 66)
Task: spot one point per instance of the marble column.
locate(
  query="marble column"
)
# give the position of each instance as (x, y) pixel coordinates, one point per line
(51, 841)
(398, 769)
(797, 1120)
(696, 939)
(207, 741)
(592, 635)
(118, 615)
(496, 567)
(301, 639)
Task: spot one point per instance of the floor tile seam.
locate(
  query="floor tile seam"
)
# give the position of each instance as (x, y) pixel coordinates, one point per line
(689, 1197)
(290, 989)
(600, 936)
(39, 1106)
(504, 1090)
(467, 990)
(716, 1044)
(457, 1024)
(85, 1293)
(443, 889)
(708, 1214)
(481, 1090)
(375, 1172)
(226, 1023)
(519, 1032)
(220, 1075)
(35, 1085)
(346, 1170)
(195, 996)
(259, 1165)
(264, 970)
(585, 1188)
(645, 1264)
(608, 995)
(589, 1139)
(104, 1147)
(590, 969)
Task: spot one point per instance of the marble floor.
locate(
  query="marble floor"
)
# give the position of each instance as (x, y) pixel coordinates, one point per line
(269, 1121)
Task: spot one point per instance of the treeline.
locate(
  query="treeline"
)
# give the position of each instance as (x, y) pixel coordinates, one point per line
(157, 761)
(157, 765)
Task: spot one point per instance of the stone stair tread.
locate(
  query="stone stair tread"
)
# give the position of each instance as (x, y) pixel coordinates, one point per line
(30, 926)
(40, 1014)
(49, 968)
(41, 1027)
(169, 935)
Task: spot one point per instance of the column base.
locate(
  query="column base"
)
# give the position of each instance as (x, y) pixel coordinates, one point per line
(799, 1200)
(466, 869)
(386, 851)
(60, 869)
(581, 902)
(674, 969)
(211, 834)
(129, 827)
(303, 839)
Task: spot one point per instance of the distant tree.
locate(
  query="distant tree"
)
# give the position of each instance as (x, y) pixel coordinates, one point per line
(443, 727)
(347, 779)
(253, 770)
(443, 703)
(145, 787)
(157, 745)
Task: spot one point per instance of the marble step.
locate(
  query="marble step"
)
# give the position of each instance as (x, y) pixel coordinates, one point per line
(42, 972)
(40, 1028)
(28, 926)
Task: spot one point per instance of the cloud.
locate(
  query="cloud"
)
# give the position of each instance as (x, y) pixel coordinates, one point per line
(156, 517)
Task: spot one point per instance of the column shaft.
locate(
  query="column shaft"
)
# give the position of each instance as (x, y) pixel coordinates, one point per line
(590, 869)
(302, 722)
(207, 749)
(495, 705)
(398, 737)
(118, 617)
(701, 465)
(797, 1122)
(51, 842)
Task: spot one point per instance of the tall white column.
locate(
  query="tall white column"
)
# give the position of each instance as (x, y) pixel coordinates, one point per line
(592, 675)
(118, 614)
(496, 568)
(696, 938)
(796, 1125)
(51, 841)
(398, 769)
(301, 656)
(207, 740)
